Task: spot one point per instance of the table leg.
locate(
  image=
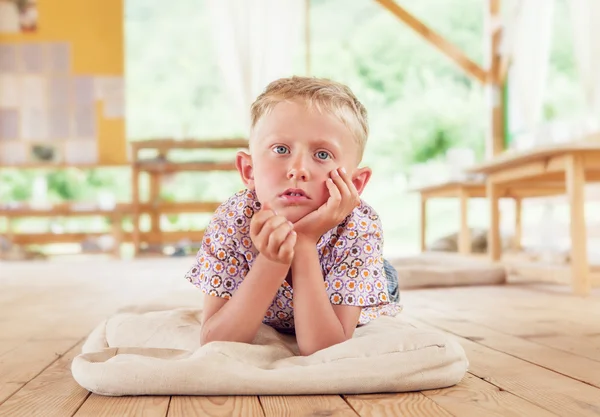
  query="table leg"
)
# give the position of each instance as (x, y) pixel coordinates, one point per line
(423, 223)
(154, 202)
(494, 243)
(117, 233)
(518, 225)
(135, 210)
(464, 236)
(575, 182)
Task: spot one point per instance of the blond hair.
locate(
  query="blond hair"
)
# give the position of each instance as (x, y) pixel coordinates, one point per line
(319, 93)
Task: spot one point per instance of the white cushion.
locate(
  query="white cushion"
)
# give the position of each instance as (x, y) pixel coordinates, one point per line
(158, 353)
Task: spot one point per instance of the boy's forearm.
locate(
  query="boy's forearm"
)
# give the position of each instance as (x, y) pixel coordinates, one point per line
(240, 318)
(317, 325)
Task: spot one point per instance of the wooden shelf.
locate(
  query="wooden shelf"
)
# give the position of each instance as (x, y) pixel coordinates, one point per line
(127, 237)
(170, 167)
(160, 166)
(155, 207)
(124, 209)
(163, 145)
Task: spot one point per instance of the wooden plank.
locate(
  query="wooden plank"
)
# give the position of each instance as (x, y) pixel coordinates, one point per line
(475, 397)
(494, 243)
(562, 323)
(167, 144)
(155, 182)
(8, 345)
(580, 270)
(305, 405)
(547, 272)
(514, 312)
(590, 146)
(464, 237)
(150, 237)
(184, 207)
(135, 206)
(439, 42)
(59, 210)
(52, 393)
(518, 191)
(494, 87)
(518, 224)
(7, 389)
(545, 388)
(423, 224)
(519, 172)
(171, 167)
(101, 406)
(576, 367)
(215, 406)
(451, 189)
(587, 347)
(402, 404)
(20, 365)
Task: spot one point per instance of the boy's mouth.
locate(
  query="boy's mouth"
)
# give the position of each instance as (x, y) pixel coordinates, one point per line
(294, 195)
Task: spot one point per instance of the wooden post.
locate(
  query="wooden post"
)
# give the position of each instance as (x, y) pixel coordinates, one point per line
(423, 223)
(307, 36)
(575, 182)
(135, 206)
(494, 241)
(155, 179)
(464, 235)
(518, 224)
(495, 84)
(117, 233)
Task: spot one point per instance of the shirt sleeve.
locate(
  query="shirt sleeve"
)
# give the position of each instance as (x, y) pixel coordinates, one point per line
(356, 274)
(219, 266)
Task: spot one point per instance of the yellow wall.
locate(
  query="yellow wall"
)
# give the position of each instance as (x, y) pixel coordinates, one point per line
(94, 30)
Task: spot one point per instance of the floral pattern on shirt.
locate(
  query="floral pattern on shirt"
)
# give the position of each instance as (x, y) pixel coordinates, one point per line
(350, 256)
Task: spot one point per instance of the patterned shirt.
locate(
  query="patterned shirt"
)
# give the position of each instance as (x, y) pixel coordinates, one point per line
(350, 256)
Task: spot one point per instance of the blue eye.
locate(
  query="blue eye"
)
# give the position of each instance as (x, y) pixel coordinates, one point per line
(323, 155)
(280, 149)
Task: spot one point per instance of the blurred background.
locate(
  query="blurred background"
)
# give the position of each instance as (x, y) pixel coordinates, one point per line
(188, 69)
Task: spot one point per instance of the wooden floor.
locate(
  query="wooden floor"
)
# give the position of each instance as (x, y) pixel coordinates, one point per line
(534, 350)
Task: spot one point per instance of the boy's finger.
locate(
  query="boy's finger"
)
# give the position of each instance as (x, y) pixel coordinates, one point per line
(278, 235)
(259, 220)
(286, 250)
(271, 225)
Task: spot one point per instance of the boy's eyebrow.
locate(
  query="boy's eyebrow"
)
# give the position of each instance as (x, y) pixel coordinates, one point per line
(327, 143)
(318, 141)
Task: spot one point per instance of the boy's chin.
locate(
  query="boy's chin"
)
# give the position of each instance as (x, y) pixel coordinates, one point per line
(294, 213)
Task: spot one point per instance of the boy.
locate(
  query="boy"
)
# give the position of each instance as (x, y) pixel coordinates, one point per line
(297, 249)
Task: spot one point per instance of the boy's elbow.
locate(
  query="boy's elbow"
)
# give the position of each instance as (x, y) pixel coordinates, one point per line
(207, 336)
(307, 349)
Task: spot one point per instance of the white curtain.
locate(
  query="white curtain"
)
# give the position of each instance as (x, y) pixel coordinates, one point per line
(256, 42)
(527, 43)
(585, 18)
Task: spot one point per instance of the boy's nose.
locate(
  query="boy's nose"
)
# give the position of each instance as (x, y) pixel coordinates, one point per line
(298, 173)
(297, 170)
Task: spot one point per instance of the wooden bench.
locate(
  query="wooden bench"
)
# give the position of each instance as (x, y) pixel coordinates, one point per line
(465, 190)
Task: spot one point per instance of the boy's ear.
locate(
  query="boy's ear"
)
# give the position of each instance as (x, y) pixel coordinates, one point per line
(243, 163)
(360, 178)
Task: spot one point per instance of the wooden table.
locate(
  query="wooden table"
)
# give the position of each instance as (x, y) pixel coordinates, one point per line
(543, 171)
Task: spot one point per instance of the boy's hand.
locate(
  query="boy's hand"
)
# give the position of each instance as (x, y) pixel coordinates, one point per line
(273, 235)
(343, 198)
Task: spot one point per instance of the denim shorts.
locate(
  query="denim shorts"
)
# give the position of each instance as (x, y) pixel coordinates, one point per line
(392, 281)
